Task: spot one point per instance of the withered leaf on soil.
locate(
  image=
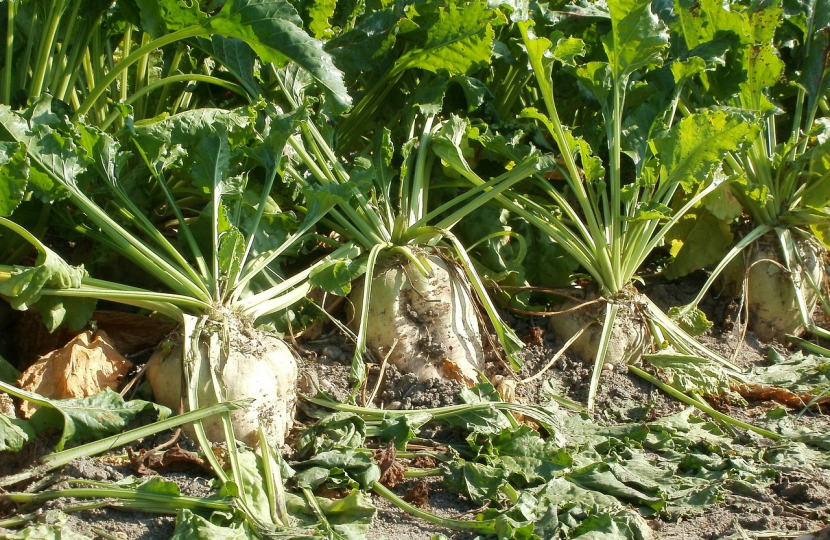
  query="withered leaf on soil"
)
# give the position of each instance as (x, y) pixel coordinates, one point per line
(794, 400)
(83, 367)
(391, 469)
(418, 495)
(176, 458)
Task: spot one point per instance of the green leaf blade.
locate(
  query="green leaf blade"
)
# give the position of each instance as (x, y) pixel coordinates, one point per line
(275, 31)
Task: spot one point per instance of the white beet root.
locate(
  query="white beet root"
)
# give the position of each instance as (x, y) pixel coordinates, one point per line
(433, 318)
(628, 338)
(771, 299)
(258, 366)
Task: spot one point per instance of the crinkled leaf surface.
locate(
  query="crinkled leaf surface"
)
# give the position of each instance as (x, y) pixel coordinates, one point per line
(697, 144)
(455, 38)
(698, 239)
(50, 526)
(691, 374)
(341, 468)
(797, 373)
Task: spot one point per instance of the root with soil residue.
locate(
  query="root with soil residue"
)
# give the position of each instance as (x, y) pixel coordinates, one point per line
(253, 365)
(432, 317)
(629, 338)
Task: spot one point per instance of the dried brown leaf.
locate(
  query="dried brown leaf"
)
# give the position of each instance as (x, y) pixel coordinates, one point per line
(83, 367)
(419, 495)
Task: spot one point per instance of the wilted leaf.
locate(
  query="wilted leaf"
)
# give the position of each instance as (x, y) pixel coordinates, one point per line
(190, 526)
(14, 433)
(690, 373)
(351, 515)
(50, 271)
(342, 468)
(51, 526)
(337, 430)
(94, 417)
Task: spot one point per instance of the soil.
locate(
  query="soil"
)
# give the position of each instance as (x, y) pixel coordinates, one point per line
(797, 502)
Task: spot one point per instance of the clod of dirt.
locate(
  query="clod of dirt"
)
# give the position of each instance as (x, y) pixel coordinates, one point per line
(405, 392)
(83, 367)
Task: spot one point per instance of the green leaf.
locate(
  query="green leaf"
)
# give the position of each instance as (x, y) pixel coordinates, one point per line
(637, 38)
(524, 455)
(401, 428)
(165, 138)
(479, 482)
(596, 77)
(14, 434)
(350, 516)
(335, 278)
(50, 271)
(614, 479)
(159, 486)
(764, 69)
(73, 312)
(14, 175)
(58, 163)
(159, 17)
(362, 49)
(723, 204)
(567, 49)
(8, 373)
(211, 163)
(275, 31)
(483, 421)
(685, 70)
(693, 321)
(342, 468)
(797, 373)
(51, 526)
(253, 485)
(319, 13)
(236, 56)
(93, 417)
(230, 253)
(455, 38)
(337, 430)
(647, 211)
(697, 145)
